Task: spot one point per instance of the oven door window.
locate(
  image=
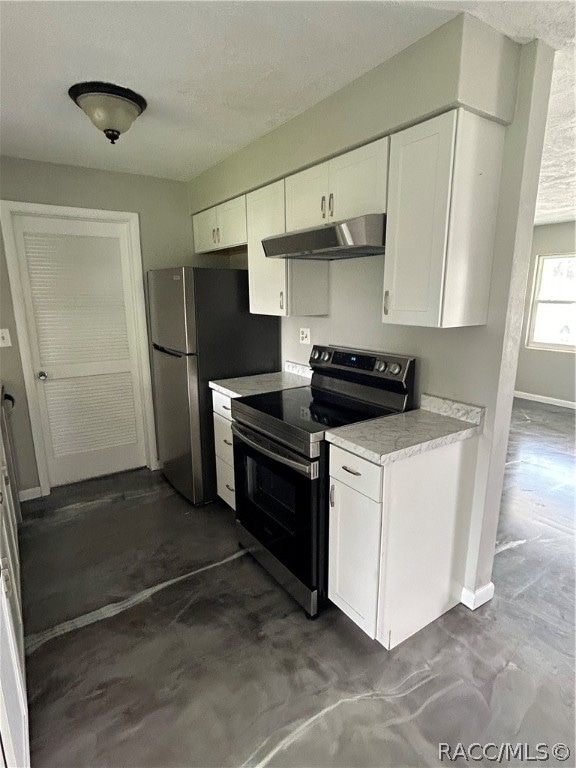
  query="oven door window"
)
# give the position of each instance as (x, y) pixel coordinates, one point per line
(273, 494)
(279, 506)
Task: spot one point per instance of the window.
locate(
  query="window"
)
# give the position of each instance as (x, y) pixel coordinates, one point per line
(553, 311)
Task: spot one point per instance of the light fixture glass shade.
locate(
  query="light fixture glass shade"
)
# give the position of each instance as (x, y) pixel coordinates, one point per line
(111, 108)
(109, 112)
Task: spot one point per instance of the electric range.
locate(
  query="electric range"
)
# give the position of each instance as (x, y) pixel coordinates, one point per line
(281, 459)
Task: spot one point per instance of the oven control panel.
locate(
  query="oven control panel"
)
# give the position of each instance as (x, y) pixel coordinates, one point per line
(380, 364)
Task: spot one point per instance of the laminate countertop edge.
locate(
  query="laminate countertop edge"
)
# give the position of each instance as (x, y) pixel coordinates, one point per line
(392, 438)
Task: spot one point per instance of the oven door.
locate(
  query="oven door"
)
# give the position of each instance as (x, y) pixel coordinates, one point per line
(278, 502)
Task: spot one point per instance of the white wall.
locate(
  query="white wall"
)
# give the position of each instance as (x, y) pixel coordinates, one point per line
(165, 232)
(542, 372)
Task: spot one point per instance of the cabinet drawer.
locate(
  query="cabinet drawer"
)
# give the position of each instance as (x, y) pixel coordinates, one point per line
(356, 473)
(221, 405)
(223, 439)
(225, 482)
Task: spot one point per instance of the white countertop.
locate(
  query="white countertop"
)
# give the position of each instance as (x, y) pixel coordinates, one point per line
(390, 438)
(256, 385)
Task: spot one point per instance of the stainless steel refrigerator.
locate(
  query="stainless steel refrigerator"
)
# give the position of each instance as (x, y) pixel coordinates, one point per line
(201, 329)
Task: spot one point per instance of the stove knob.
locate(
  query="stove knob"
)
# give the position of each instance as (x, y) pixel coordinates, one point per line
(395, 368)
(381, 366)
(315, 354)
(325, 356)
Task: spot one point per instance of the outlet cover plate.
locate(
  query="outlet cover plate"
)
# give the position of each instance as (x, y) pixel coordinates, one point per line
(5, 340)
(304, 335)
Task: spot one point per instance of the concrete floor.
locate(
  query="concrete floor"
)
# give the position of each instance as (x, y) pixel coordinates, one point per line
(152, 641)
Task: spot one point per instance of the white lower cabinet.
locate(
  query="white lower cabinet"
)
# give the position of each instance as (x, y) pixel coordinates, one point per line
(354, 546)
(223, 449)
(397, 538)
(14, 747)
(225, 482)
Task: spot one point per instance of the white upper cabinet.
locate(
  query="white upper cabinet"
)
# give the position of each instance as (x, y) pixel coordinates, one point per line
(223, 226)
(349, 185)
(280, 286)
(444, 181)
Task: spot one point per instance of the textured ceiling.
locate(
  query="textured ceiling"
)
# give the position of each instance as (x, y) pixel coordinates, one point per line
(218, 75)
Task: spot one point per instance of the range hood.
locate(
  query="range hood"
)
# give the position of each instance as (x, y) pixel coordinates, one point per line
(362, 236)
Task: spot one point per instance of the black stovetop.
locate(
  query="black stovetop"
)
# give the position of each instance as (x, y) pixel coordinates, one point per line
(309, 410)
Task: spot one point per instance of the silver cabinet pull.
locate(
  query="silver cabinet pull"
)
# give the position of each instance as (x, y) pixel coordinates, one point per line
(281, 299)
(332, 489)
(227, 442)
(323, 206)
(351, 471)
(331, 205)
(230, 488)
(218, 233)
(42, 375)
(386, 299)
(214, 235)
(226, 408)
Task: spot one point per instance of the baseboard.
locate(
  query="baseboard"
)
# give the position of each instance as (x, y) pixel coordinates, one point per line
(30, 493)
(547, 400)
(475, 599)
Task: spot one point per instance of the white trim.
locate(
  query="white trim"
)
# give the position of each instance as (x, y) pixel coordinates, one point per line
(547, 400)
(475, 599)
(8, 208)
(529, 342)
(30, 493)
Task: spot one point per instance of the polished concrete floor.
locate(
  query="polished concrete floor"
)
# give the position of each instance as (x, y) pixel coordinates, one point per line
(153, 641)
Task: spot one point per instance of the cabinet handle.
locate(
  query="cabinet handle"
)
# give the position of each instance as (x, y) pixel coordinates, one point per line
(331, 205)
(213, 235)
(218, 233)
(323, 206)
(332, 489)
(230, 488)
(281, 299)
(227, 442)
(226, 408)
(351, 471)
(386, 299)
(7, 581)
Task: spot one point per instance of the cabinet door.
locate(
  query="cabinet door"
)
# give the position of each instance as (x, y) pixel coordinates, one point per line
(266, 277)
(225, 482)
(307, 198)
(354, 554)
(231, 223)
(420, 177)
(223, 439)
(204, 225)
(358, 181)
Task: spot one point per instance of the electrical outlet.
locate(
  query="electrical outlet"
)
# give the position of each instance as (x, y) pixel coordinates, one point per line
(5, 340)
(304, 335)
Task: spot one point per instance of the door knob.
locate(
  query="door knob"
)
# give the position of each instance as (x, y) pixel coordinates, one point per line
(42, 375)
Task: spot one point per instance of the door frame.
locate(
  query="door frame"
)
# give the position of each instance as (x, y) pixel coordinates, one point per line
(130, 222)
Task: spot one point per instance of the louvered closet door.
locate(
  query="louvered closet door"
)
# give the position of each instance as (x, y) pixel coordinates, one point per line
(76, 282)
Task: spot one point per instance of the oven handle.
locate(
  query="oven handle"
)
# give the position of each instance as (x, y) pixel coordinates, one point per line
(309, 469)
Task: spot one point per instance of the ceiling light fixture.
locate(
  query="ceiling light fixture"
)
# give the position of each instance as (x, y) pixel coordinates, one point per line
(111, 108)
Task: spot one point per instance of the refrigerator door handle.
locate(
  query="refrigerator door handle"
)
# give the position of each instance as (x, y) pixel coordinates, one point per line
(167, 351)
